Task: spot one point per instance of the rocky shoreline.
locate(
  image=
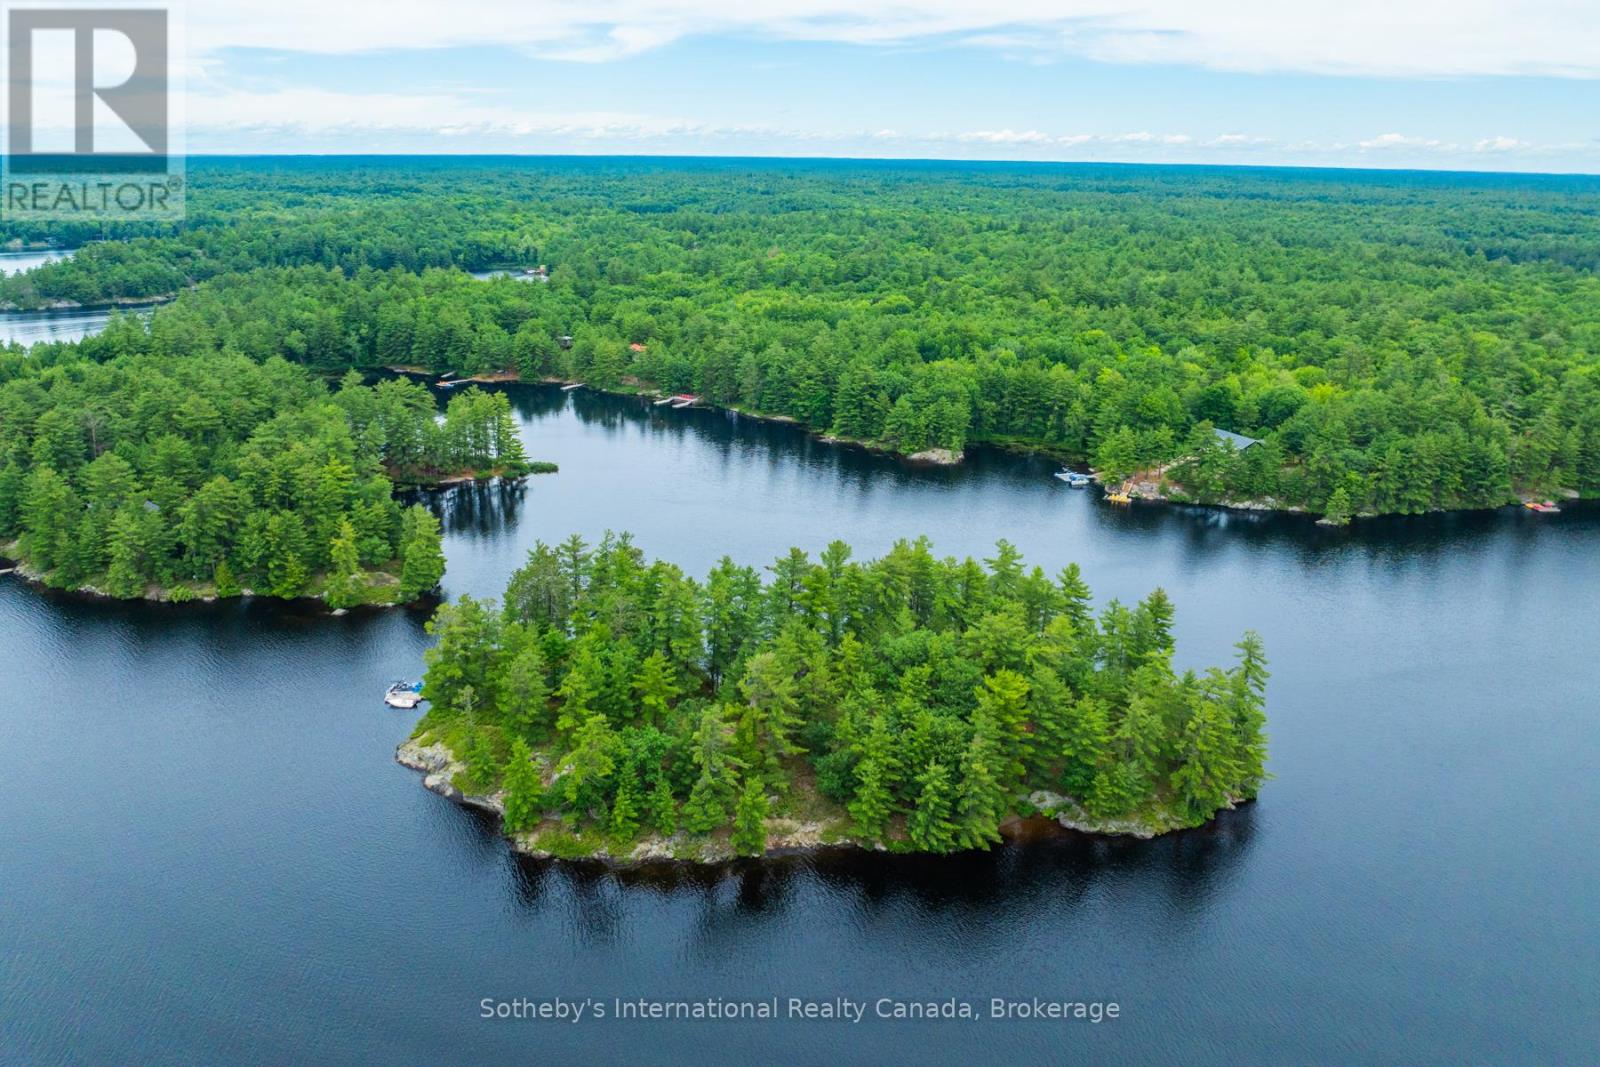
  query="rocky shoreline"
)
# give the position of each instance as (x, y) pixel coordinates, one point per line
(1057, 814)
(159, 594)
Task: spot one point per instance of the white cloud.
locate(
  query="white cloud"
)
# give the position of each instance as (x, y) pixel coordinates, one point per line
(1372, 37)
(1499, 144)
(1389, 141)
(1005, 136)
(1238, 140)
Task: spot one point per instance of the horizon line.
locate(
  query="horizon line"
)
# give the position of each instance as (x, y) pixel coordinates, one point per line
(953, 161)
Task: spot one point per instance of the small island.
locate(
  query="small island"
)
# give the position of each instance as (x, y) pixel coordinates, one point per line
(615, 708)
(214, 475)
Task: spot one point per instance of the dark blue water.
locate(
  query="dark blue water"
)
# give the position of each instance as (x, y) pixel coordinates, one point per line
(206, 851)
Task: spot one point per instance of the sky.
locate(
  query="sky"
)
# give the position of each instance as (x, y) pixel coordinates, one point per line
(1462, 85)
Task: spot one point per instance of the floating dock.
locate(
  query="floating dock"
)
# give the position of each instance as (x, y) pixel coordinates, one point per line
(570, 388)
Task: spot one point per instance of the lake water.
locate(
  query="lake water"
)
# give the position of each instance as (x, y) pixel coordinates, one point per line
(26, 327)
(72, 324)
(208, 851)
(485, 275)
(17, 262)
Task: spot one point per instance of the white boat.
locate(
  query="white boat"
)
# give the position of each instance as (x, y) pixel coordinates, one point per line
(1074, 479)
(403, 695)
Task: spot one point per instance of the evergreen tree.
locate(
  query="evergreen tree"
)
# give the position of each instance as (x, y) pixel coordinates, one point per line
(421, 553)
(662, 809)
(983, 799)
(344, 568)
(524, 693)
(625, 810)
(524, 793)
(1208, 771)
(930, 825)
(749, 820)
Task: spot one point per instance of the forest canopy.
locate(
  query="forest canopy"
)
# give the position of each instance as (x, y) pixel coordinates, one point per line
(209, 474)
(913, 700)
(1397, 342)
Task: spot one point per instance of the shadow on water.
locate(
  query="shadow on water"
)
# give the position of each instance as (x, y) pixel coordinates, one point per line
(479, 510)
(983, 888)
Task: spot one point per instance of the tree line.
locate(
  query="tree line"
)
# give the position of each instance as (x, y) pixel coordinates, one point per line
(1400, 343)
(913, 700)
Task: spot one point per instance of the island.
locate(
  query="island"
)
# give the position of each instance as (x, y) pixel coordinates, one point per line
(613, 707)
(207, 475)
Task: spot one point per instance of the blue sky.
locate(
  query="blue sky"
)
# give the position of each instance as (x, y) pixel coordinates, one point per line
(1512, 85)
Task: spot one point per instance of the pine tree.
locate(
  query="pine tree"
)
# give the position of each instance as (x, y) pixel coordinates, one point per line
(662, 809)
(508, 449)
(126, 577)
(1337, 511)
(654, 687)
(1208, 771)
(930, 825)
(285, 552)
(587, 770)
(1075, 598)
(1084, 746)
(706, 809)
(1003, 698)
(1152, 625)
(769, 717)
(524, 792)
(749, 820)
(222, 577)
(983, 800)
(625, 810)
(1247, 704)
(421, 552)
(344, 568)
(877, 774)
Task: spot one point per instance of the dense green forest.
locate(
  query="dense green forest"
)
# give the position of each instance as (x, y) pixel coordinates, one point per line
(1399, 342)
(911, 700)
(154, 474)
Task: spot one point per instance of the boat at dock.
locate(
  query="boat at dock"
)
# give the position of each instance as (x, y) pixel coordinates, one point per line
(683, 400)
(1543, 507)
(570, 388)
(1074, 479)
(403, 694)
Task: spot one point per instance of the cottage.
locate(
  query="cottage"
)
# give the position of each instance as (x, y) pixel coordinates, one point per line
(1238, 440)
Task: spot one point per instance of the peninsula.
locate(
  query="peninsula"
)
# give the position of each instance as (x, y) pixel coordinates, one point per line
(213, 475)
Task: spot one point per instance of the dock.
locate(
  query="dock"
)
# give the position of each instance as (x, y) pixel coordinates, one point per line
(570, 388)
